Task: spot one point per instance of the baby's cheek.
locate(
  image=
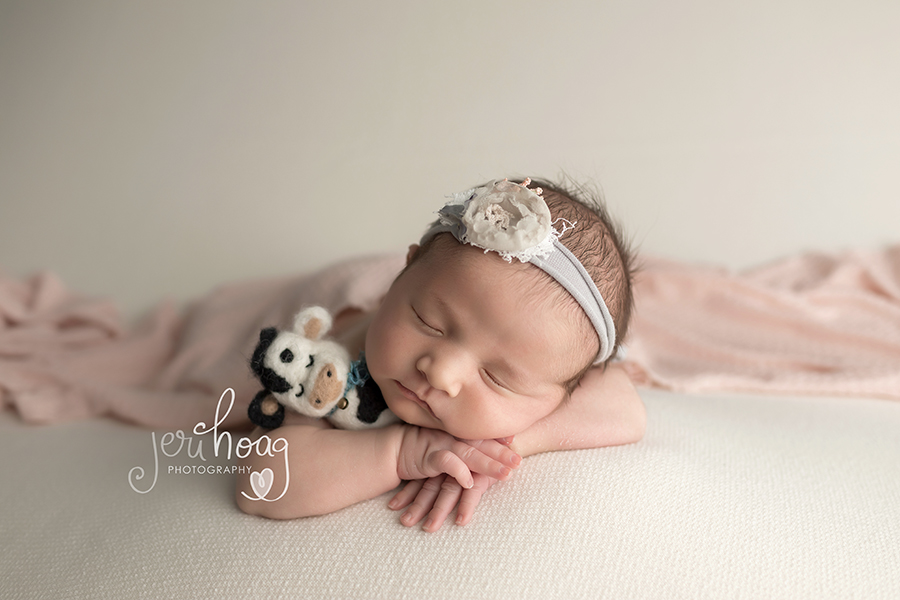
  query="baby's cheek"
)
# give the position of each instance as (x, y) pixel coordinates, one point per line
(514, 418)
(374, 334)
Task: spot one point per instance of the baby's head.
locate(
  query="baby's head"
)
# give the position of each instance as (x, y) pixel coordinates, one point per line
(483, 344)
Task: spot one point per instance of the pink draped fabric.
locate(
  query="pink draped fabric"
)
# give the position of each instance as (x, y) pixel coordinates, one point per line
(815, 323)
(826, 324)
(64, 356)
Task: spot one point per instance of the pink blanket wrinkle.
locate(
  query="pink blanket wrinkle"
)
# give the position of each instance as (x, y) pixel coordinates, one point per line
(816, 323)
(811, 324)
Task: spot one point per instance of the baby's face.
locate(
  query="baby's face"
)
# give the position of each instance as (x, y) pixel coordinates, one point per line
(466, 343)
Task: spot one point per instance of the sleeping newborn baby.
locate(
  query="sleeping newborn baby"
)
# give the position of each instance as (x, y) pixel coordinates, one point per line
(493, 343)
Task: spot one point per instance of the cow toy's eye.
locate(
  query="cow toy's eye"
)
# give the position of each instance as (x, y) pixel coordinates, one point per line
(311, 361)
(286, 356)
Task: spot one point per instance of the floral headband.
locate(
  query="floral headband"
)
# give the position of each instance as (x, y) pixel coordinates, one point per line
(514, 221)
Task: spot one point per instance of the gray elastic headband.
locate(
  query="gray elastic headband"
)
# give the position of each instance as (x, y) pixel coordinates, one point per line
(562, 266)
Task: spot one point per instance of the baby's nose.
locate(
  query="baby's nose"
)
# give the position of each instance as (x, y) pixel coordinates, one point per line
(442, 373)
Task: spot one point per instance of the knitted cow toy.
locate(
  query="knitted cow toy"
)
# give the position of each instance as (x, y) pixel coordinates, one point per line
(314, 376)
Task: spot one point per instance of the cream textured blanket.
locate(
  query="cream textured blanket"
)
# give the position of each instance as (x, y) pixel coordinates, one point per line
(816, 323)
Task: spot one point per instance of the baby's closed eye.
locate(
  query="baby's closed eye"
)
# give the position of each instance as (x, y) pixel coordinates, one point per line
(427, 326)
(493, 380)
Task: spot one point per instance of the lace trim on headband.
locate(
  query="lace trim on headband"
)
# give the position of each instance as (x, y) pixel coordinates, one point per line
(503, 217)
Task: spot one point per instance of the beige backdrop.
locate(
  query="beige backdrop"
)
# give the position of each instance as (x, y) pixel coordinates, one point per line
(154, 149)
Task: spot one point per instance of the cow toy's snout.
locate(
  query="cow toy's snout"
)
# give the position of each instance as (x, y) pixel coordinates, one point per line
(327, 388)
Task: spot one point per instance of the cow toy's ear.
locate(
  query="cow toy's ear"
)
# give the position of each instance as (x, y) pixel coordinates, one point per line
(313, 322)
(266, 337)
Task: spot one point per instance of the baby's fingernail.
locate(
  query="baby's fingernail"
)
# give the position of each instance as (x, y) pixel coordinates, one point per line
(406, 519)
(428, 524)
(516, 460)
(505, 471)
(394, 504)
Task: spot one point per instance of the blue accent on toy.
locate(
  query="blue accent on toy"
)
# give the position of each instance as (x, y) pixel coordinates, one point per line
(359, 373)
(357, 377)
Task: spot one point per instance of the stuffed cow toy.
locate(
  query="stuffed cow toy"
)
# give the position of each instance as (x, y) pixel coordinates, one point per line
(304, 371)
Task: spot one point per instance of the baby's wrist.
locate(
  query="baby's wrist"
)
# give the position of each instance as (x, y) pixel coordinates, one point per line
(397, 435)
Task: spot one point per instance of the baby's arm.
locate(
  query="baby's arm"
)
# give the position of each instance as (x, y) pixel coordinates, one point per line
(332, 468)
(604, 410)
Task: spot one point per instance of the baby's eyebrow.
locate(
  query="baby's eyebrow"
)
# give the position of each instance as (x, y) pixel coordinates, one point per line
(443, 306)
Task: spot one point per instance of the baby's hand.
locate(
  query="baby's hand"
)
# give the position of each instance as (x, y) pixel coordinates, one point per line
(437, 497)
(426, 453)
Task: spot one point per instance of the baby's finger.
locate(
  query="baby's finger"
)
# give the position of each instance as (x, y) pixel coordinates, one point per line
(478, 462)
(443, 505)
(470, 498)
(454, 464)
(409, 492)
(424, 500)
(497, 451)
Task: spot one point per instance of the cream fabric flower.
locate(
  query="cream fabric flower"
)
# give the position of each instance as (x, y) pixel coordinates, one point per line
(509, 219)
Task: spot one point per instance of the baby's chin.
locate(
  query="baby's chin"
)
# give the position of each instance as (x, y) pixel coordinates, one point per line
(480, 434)
(411, 415)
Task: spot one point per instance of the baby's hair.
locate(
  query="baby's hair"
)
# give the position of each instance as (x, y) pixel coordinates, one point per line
(598, 242)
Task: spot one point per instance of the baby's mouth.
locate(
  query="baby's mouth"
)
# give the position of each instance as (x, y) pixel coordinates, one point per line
(415, 398)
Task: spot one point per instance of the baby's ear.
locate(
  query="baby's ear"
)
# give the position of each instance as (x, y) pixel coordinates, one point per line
(413, 248)
(313, 322)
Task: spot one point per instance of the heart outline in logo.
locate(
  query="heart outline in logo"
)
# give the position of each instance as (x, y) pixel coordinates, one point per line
(261, 482)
